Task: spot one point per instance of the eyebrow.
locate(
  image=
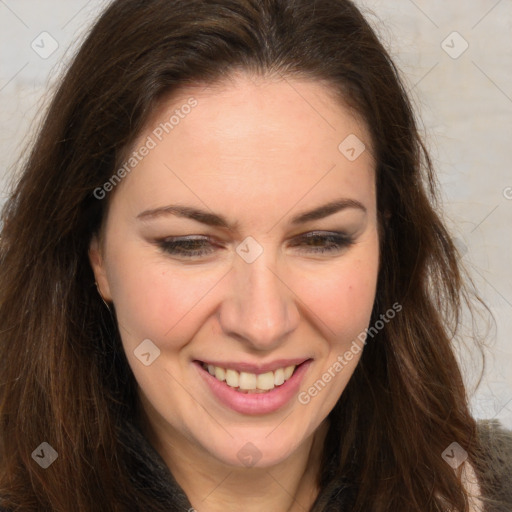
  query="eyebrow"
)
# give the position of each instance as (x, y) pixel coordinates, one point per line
(212, 219)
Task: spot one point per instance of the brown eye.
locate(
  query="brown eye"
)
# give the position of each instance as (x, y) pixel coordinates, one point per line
(190, 247)
(320, 242)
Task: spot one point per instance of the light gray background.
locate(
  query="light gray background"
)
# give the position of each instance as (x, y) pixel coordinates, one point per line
(464, 99)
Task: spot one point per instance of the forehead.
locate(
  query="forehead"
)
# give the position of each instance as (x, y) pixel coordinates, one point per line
(251, 139)
(244, 97)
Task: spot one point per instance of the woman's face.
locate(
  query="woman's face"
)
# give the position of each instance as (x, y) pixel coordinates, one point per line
(209, 257)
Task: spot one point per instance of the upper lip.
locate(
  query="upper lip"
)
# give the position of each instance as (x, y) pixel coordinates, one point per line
(241, 366)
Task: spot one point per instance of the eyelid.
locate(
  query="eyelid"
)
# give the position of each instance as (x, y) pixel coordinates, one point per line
(335, 243)
(339, 238)
(319, 232)
(215, 240)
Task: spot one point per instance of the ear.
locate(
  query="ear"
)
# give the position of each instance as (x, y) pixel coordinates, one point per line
(98, 267)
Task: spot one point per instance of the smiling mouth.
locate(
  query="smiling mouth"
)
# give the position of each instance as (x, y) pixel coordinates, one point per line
(246, 382)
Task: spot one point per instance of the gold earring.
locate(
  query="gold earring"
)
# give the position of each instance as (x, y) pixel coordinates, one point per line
(99, 293)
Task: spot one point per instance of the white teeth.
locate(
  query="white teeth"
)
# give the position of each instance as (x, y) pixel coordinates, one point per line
(278, 377)
(220, 374)
(245, 381)
(288, 372)
(265, 381)
(232, 378)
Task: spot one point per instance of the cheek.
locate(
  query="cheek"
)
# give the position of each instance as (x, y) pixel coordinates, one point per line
(342, 297)
(155, 301)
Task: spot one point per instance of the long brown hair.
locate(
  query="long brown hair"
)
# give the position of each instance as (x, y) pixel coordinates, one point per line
(64, 377)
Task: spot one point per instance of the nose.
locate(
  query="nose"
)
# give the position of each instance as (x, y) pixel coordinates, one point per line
(260, 309)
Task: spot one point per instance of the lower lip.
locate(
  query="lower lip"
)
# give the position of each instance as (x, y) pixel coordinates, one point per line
(255, 403)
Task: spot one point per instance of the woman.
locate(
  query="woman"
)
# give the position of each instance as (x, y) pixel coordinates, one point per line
(224, 284)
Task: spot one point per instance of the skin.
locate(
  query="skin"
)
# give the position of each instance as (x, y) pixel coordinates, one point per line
(257, 151)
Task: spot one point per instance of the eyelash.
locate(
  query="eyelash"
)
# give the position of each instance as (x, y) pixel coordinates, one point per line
(175, 245)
